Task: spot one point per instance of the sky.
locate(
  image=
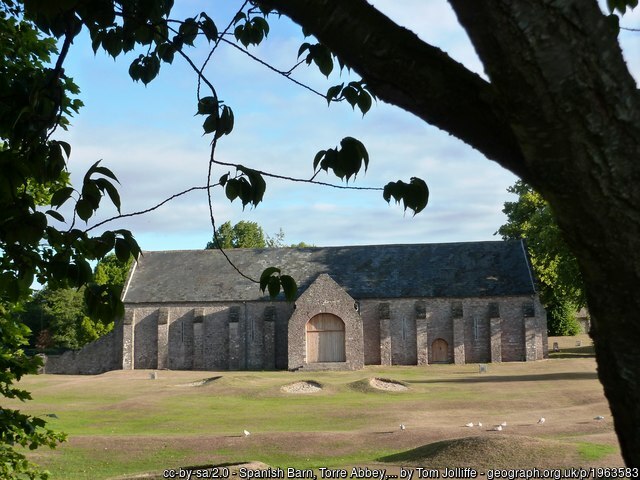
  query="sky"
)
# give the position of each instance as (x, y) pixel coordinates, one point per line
(150, 138)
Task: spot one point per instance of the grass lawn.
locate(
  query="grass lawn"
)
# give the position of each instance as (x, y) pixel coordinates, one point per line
(124, 423)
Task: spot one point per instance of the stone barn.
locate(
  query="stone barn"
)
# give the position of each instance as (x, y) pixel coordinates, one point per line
(472, 302)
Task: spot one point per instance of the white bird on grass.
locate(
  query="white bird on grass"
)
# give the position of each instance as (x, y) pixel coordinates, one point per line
(541, 421)
(498, 428)
(479, 424)
(470, 424)
(246, 433)
(503, 424)
(402, 427)
(599, 417)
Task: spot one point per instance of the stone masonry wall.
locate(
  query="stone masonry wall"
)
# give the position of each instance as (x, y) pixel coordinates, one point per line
(208, 336)
(256, 335)
(326, 296)
(491, 329)
(101, 356)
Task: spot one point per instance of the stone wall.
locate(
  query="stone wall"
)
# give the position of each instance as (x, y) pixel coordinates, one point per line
(476, 330)
(101, 356)
(326, 296)
(246, 336)
(271, 335)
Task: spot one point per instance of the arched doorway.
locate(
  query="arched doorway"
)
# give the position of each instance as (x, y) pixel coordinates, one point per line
(439, 351)
(325, 339)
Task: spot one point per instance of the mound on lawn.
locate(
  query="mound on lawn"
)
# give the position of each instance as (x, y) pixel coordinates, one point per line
(378, 384)
(489, 451)
(307, 386)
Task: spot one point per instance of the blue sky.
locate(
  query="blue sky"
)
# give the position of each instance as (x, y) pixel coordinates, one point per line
(149, 137)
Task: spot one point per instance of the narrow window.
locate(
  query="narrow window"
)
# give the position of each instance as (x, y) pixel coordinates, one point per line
(476, 330)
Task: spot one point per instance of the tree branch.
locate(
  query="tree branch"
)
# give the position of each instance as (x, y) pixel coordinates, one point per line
(403, 70)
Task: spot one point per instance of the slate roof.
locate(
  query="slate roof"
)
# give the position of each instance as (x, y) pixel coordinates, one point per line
(471, 269)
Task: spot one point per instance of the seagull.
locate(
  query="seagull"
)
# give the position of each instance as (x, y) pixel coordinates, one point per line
(541, 421)
(498, 428)
(503, 424)
(246, 433)
(402, 427)
(599, 417)
(470, 424)
(479, 424)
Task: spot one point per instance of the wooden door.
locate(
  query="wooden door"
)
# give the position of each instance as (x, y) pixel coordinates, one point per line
(439, 351)
(325, 339)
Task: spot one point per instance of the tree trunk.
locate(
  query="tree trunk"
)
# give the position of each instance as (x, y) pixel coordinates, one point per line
(575, 110)
(561, 111)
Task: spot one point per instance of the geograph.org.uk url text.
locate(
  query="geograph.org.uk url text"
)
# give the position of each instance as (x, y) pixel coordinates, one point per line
(405, 473)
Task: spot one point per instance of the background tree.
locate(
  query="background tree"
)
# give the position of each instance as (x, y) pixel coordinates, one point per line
(277, 241)
(555, 267)
(242, 235)
(248, 235)
(58, 318)
(112, 271)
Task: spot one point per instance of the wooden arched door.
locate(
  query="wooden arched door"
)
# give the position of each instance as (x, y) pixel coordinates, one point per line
(439, 351)
(325, 339)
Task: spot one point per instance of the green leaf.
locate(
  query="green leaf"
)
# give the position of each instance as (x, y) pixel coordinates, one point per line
(207, 106)
(226, 121)
(208, 27)
(188, 30)
(414, 195)
(122, 250)
(316, 160)
(351, 95)
(256, 186)
(84, 209)
(364, 102)
(232, 189)
(304, 47)
(95, 168)
(166, 52)
(261, 24)
(266, 275)
(239, 16)
(55, 215)
(111, 190)
(273, 286)
(60, 196)
(333, 93)
(210, 123)
(289, 287)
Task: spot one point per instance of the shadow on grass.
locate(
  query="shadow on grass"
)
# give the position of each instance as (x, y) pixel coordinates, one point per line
(416, 454)
(577, 352)
(484, 378)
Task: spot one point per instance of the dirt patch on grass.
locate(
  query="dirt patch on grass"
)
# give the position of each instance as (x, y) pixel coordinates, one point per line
(302, 387)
